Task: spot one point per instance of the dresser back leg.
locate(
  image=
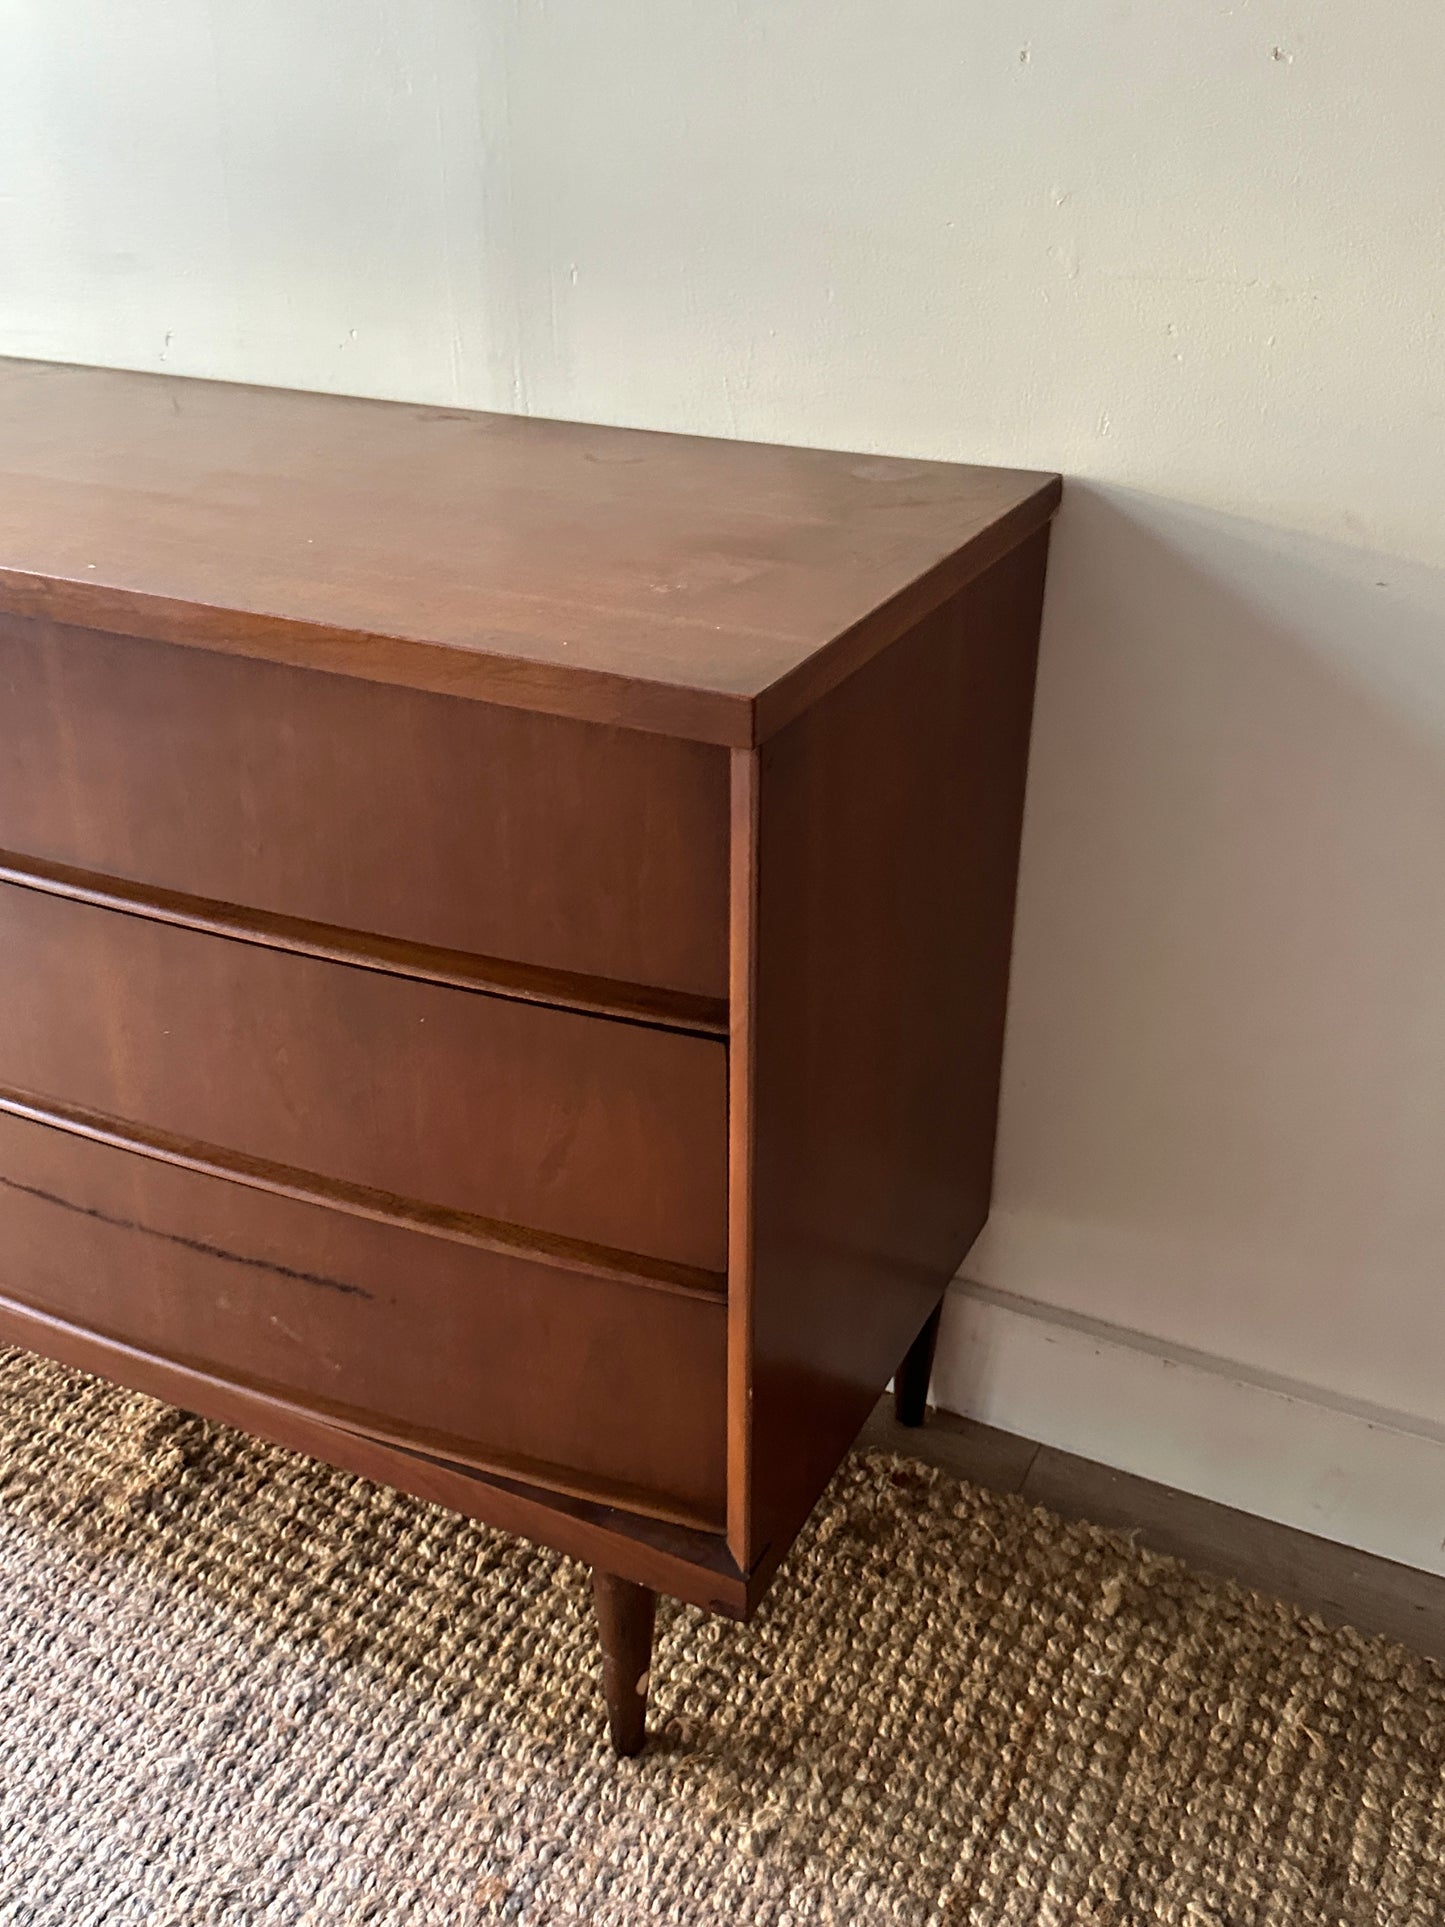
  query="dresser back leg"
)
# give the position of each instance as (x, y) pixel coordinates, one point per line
(910, 1382)
(624, 1623)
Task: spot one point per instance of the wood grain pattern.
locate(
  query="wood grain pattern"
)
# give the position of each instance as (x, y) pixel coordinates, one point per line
(531, 983)
(888, 847)
(374, 1327)
(504, 935)
(658, 580)
(366, 1201)
(603, 1131)
(685, 1561)
(386, 812)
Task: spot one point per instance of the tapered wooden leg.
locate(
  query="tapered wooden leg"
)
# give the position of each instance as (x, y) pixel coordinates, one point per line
(910, 1384)
(624, 1621)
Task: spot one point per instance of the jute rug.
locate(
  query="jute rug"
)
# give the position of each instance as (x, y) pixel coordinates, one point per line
(238, 1688)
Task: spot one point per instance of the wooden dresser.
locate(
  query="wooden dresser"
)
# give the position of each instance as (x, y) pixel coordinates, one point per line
(504, 934)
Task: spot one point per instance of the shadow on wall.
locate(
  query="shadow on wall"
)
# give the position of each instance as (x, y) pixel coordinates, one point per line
(1224, 1105)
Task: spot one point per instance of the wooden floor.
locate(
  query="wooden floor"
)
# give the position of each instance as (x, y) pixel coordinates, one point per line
(1343, 1586)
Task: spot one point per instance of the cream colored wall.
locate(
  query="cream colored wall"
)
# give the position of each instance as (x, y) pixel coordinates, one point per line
(1189, 254)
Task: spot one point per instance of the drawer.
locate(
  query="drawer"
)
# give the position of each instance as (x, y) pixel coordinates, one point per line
(441, 821)
(606, 1390)
(579, 1126)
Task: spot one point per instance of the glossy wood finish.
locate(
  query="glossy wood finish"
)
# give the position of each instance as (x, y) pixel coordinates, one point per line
(377, 1327)
(888, 834)
(504, 931)
(915, 1374)
(510, 1111)
(625, 1615)
(389, 813)
(698, 588)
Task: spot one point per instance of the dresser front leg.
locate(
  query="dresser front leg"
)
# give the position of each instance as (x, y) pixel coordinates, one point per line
(624, 1622)
(910, 1383)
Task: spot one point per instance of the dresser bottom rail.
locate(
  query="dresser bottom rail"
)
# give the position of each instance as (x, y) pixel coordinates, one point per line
(666, 1555)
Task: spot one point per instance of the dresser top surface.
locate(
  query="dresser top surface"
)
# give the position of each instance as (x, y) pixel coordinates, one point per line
(698, 587)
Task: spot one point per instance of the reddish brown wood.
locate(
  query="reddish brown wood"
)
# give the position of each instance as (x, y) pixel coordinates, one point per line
(364, 1201)
(380, 1327)
(743, 890)
(915, 1374)
(888, 851)
(504, 935)
(529, 983)
(606, 1132)
(625, 1615)
(691, 1565)
(387, 812)
(661, 581)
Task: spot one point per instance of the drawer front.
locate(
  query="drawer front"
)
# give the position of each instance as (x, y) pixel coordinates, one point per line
(570, 846)
(607, 1390)
(574, 1125)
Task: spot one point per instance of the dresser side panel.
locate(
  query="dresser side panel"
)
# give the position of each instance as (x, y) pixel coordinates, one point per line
(888, 838)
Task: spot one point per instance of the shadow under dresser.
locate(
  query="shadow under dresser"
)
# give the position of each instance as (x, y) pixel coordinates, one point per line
(504, 938)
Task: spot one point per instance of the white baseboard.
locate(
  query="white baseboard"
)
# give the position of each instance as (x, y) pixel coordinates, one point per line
(1282, 1450)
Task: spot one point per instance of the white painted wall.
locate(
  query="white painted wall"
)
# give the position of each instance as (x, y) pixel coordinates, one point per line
(1189, 253)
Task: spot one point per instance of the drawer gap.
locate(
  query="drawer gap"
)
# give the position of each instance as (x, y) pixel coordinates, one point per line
(59, 1337)
(364, 1201)
(642, 1004)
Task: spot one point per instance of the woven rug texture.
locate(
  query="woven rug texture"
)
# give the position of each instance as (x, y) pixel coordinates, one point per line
(237, 1687)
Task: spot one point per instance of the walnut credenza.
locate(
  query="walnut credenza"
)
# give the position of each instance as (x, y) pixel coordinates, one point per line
(504, 934)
